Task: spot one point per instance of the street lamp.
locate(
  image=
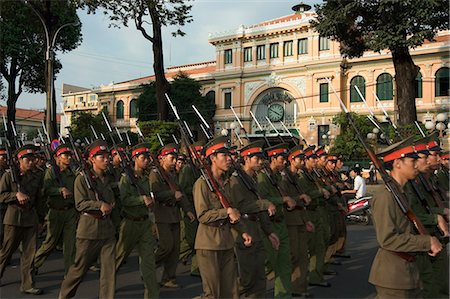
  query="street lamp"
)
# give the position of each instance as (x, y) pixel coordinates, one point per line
(50, 39)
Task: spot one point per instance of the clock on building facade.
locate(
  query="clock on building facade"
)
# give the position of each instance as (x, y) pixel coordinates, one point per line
(275, 112)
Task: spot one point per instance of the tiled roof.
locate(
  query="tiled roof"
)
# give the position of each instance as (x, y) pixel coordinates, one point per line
(67, 88)
(23, 114)
(439, 39)
(282, 19)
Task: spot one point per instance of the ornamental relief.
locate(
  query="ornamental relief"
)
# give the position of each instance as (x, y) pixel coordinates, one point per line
(298, 82)
(250, 87)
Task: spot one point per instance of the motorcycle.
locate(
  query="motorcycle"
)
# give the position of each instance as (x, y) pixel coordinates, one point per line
(358, 210)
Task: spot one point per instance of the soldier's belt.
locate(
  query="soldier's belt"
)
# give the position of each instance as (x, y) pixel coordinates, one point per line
(250, 216)
(95, 214)
(276, 220)
(61, 208)
(143, 218)
(311, 208)
(217, 223)
(167, 204)
(403, 255)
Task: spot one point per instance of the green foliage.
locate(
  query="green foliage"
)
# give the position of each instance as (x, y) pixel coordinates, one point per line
(185, 92)
(346, 143)
(81, 122)
(379, 25)
(151, 129)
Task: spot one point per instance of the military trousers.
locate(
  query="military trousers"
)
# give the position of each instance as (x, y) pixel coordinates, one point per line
(60, 225)
(3, 208)
(298, 240)
(13, 237)
(87, 252)
(425, 268)
(280, 261)
(168, 249)
(252, 275)
(386, 293)
(218, 272)
(188, 233)
(318, 243)
(138, 234)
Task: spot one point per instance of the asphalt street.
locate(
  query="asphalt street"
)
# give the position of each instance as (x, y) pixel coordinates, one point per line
(351, 281)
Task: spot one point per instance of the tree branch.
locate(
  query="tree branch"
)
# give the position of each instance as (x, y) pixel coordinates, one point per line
(138, 21)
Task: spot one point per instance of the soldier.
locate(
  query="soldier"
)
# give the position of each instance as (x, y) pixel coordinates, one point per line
(181, 162)
(115, 173)
(255, 212)
(95, 231)
(136, 226)
(214, 241)
(317, 241)
(268, 180)
(167, 213)
(62, 217)
(443, 172)
(3, 167)
(297, 222)
(394, 271)
(25, 211)
(186, 179)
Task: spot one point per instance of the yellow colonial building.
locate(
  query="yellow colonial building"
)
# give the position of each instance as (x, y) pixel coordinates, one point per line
(281, 70)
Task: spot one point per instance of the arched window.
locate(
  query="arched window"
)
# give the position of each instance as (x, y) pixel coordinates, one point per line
(385, 89)
(418, 85)
(211, 96)
(119, 110)
(441, 82)
(134, 109)
(361, 83)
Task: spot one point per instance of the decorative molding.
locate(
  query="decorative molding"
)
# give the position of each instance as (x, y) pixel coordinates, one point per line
(273, 80)
(250, 87)
(298, 82)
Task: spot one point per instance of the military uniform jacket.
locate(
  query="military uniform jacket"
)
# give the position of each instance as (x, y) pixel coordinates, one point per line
(425, 215)
(166, 208)
(394, 234)
(214, 229)
(85, 200)
(133, 205)
(52, 191)
(248, 203)
(291, 184)
(271, 193)
(308, 182)
(186, 180)
(33, 211)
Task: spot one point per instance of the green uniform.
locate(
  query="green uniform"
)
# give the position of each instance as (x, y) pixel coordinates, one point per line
(136, 231)
(279, 260)
(95, 238)
(392, 275)
(298, 237)
(214, 243)
(62, 218)
(20, 223)
(318, 215)
(256, 219)
(2, 210)
(167, 218)
(442, 179)
(186, 180)
(115, 173)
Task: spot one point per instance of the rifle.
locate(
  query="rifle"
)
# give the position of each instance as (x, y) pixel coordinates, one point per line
(390, 183)
(397, 132)
(204, 168)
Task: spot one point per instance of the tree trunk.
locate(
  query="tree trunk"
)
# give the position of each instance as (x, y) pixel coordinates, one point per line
(405, 76)
(161, 83)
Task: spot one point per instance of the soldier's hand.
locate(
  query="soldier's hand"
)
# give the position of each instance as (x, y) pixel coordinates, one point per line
(106, 208)
(22, 198)
(443, 225)
(247, 239)
(234, 215)
(65, 193)
(436, 246)
(310, 227)
(178, 195)
(148, 201)
(272, 209)
(289, 202)
(191, 216)
(274, 240)
(326, 193)
(306, 199)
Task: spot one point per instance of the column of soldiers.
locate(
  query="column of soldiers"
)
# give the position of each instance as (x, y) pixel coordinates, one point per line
(276, 210)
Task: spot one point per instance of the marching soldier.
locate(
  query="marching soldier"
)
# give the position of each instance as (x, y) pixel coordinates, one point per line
(3, 167)
(255, 213)
(268, 180)
(136, 226)
(443, 176)
(115, 173)
(181, 162)
(297, 222)
(25, 211)
(214, 241)
(95, 231)
(62, 217)
(167, 213)
(318, 215)
(394, 271)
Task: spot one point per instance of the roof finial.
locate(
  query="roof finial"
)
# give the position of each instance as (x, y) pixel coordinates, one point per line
(301, 8)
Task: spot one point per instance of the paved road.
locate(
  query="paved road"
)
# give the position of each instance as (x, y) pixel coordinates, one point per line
(351, 281)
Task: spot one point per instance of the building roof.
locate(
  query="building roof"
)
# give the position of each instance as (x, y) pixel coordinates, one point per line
(25, 114)
(291, 17)
(67, 88)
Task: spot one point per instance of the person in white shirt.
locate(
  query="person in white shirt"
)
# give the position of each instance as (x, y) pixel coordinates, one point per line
(359, 184)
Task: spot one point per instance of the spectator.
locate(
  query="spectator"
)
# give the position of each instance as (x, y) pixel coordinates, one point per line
(359, 184)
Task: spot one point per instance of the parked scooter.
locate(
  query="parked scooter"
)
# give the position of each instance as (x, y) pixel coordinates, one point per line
(358, 210)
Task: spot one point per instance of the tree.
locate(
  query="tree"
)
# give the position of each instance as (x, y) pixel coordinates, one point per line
(385, 24)
(160, 13)
(81, 122)
(23, 44)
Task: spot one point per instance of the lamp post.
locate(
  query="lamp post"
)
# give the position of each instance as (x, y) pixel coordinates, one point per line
(50, 39)
(441, 119)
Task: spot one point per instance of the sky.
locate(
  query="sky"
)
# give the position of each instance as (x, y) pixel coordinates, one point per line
(109, 55)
